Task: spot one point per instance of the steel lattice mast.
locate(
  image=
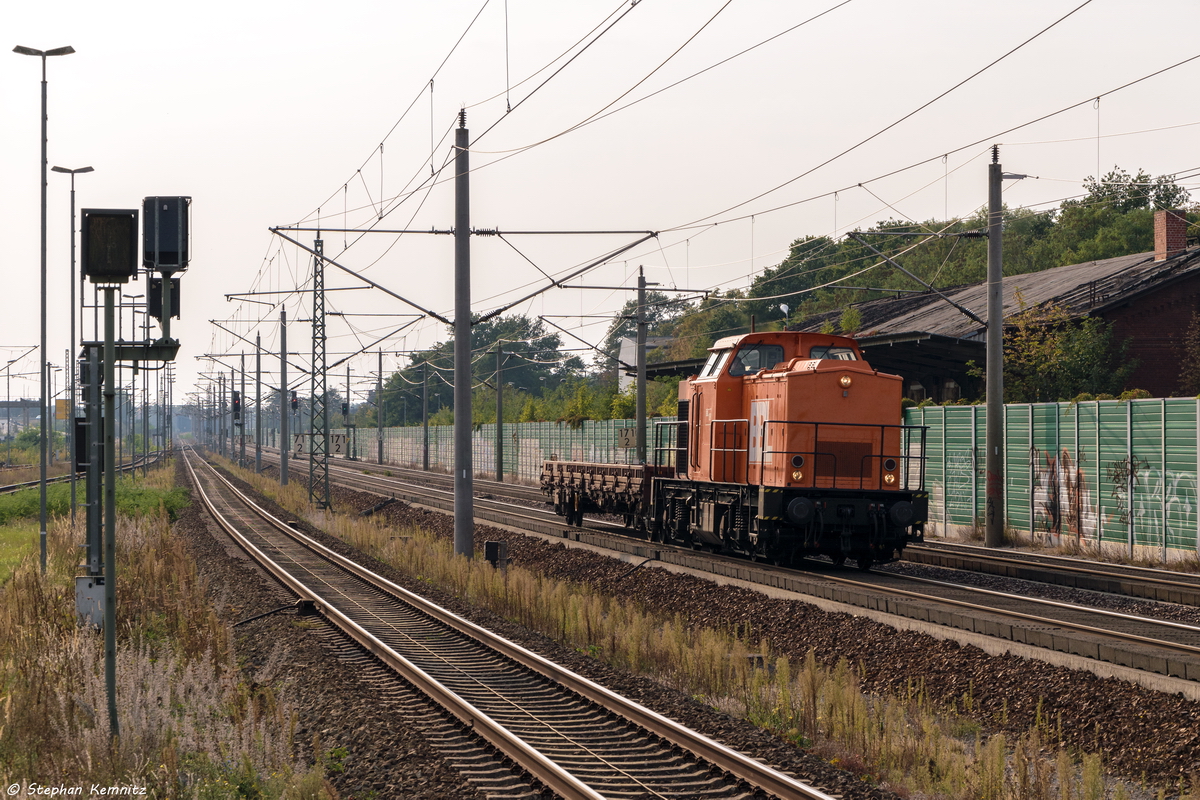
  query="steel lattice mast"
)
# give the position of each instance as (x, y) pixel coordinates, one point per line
(318, 469)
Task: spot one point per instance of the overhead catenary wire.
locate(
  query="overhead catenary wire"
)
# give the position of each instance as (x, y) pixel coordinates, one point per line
(903, 118)
(660, 244)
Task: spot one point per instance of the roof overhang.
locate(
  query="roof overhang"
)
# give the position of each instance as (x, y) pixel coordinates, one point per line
(919, 352)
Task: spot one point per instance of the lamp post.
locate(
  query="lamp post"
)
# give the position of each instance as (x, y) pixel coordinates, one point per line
(43, 54)
(71, 360)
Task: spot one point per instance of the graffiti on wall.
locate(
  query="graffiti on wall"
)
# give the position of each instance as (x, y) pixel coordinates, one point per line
(1125, 475)
(960, 483)
(1062, 497)
(1163, 505)
(1159, 502)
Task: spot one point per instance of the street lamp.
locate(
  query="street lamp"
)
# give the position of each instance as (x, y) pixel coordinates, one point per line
(43, 54)
(71, 360)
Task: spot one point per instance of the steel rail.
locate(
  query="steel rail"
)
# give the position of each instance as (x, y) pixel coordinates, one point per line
(521, 753)
(729, 760)
(136, 463)
(1127, 637)
(1064, 564)
(1102, 612)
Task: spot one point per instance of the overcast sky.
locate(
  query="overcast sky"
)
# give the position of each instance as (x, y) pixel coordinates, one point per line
(272, 114)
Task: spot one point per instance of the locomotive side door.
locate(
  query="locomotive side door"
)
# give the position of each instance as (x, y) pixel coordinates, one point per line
(760, 412)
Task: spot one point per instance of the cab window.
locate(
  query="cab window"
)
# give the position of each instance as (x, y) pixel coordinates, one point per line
(716, 360)
(752, 358)
(831, 353)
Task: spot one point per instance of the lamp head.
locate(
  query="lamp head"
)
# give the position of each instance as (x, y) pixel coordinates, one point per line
(58, 51)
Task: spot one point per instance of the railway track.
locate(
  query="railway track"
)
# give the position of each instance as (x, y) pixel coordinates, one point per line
(136, 463)
(572, 735)
(1137, 642)
(1133, 581)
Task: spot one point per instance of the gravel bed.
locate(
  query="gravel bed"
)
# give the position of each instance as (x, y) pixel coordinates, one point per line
(335, 710)
(1144, 735)
(732, 732)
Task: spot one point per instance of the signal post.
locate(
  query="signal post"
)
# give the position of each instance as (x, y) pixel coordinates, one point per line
(109, 250)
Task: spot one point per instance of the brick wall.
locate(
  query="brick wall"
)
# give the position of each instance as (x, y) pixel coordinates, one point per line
(1155, 326)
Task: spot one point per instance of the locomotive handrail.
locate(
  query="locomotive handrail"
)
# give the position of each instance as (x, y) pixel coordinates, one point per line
(713, 449)
(905, 458)
(660, 448)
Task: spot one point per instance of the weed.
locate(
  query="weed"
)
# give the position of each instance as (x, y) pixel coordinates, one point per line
(183, 706)
(907, 742)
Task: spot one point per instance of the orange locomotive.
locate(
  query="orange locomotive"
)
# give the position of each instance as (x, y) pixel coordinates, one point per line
(788, 444)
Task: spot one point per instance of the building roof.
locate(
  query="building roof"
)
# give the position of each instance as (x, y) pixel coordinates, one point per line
(1082, 289)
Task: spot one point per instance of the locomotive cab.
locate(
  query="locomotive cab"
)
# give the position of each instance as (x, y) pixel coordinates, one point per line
(794, 445)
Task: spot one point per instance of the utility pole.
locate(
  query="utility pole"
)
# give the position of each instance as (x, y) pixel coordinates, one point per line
(285, 442)
(499, 412)
(110, 514)
(257, 403)
(425, 416)
(641, 364)
(242, 414)
(95, 443)
(379, 408)
(221, 413)
(464, 501)
(145, 401)
(994, 461)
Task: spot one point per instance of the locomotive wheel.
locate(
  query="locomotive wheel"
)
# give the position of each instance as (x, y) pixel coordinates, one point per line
(864, 562)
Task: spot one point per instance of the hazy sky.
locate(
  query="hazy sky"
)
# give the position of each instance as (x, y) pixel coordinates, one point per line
(273, 114)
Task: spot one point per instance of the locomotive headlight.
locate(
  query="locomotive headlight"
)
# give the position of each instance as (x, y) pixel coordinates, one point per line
(797, 475)
(845, 381)
(889, 479)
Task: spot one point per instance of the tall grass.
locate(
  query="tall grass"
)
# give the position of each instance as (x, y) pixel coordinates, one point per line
(135, 496)
(907, 743)
(191, 725)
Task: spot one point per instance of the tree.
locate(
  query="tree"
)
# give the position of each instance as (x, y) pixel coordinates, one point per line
(1189, 368)
(1048, 356)
(850, 322)
(533, 357)
(692, 334)
(1115, 218)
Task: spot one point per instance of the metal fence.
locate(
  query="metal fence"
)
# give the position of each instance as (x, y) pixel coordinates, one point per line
(526, 445)
(1121, 474)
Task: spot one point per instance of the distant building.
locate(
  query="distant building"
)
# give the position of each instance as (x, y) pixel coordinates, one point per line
(628, 355)
(1149, 299)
